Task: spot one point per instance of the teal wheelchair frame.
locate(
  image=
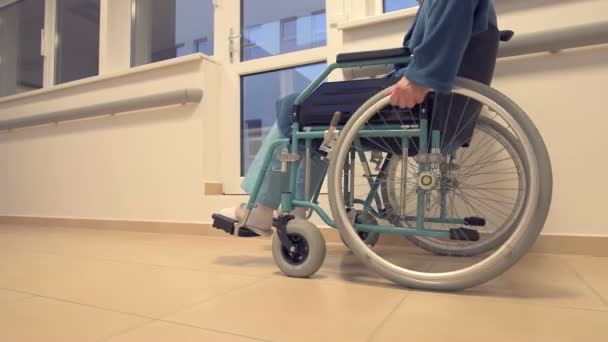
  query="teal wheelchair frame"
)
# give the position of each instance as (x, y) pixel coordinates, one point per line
(288, 201)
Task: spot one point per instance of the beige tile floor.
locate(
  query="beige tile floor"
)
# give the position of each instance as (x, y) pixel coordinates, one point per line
(59, 284)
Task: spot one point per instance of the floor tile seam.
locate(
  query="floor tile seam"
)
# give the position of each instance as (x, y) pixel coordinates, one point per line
(390, 314)
(130, 262)
(164, 317)
(25, 296)
(213, 330)
(63, 300)
(126, 330)
(587, 284)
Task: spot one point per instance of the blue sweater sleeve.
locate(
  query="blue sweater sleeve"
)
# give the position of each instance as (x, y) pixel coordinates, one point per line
(448, 29)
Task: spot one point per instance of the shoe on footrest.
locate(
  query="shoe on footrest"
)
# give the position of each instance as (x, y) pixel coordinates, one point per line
(228, 225)
(227, 220)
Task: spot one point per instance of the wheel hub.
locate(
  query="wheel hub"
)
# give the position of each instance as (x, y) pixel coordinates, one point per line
(426, 180)
(298, 253)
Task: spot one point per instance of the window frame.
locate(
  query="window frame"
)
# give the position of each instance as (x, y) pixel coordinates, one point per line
(53, 50)
(241, 28)
(195, 42)
(238, 67)
(46, 43)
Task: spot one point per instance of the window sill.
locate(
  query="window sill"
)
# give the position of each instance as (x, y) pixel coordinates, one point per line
(101, 78)
(378, 19)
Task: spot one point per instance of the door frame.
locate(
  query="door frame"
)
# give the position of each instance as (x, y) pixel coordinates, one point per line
(228, 27)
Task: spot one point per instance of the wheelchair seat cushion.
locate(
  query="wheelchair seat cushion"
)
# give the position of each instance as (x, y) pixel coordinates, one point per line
(373, 55)
(344, 96)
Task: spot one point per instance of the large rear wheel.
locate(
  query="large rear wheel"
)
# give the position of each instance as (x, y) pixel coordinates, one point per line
(441, 173)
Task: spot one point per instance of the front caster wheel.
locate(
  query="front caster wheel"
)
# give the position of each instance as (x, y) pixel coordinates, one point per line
(307, 252)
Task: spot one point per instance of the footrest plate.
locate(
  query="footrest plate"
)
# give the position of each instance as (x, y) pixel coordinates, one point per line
(228, 225)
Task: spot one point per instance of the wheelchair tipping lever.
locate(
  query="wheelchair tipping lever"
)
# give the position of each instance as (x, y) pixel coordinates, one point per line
(330, 136)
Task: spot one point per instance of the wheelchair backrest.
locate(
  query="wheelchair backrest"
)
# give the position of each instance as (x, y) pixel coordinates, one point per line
(455, 115)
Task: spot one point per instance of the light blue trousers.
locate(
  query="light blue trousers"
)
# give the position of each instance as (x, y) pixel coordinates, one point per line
(276, 182)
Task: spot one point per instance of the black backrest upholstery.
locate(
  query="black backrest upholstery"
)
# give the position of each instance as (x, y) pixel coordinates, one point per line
(456, 115)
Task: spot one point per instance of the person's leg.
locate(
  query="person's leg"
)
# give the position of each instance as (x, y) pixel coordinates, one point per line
(269, 194)
(318, 167)
(275, 182)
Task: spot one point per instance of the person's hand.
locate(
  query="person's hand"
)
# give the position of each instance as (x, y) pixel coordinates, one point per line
(407, 94)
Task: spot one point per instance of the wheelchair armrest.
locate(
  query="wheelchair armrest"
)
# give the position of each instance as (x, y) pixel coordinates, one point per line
(506, 35)
(374, 71)
(373, 55)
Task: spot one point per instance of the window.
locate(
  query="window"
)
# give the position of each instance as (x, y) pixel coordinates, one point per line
(259, 95)
(250, 49)
(289, 31)
(395, 5)
(202, 45)
(288, 35)
(77, 45)
(319, 20)
(165, 29)
(273, 27)
(21, 65)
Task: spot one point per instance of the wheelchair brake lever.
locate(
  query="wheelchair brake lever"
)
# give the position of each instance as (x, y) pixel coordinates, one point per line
(335, 120)
(329, 136)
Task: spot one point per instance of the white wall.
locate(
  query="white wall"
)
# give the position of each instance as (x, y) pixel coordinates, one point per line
(149, 165)
(564, 94)
(152, 166)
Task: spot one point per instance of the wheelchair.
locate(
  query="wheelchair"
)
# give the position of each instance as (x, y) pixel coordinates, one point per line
(464, 176)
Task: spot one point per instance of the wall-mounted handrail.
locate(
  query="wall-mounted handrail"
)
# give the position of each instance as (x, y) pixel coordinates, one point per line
(524, 44)
(556, 40)
(530, 43)
(174, 97)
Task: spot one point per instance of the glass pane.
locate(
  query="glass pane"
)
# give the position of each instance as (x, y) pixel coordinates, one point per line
(259, 95)
(77, 54)
(395, 5)
(274, 27)
(21, 64)
(165, 29)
